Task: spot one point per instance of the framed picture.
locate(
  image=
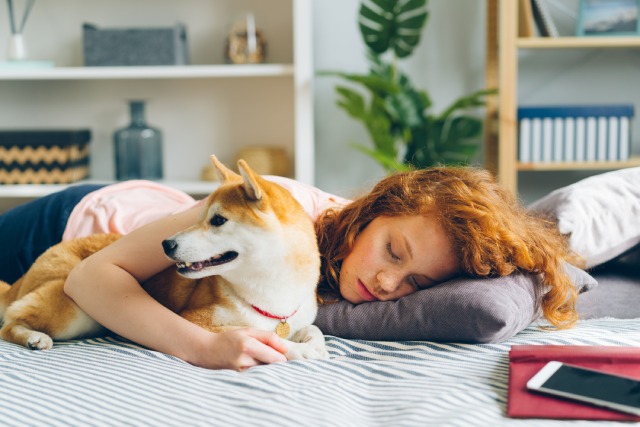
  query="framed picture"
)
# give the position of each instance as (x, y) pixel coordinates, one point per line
(608, 18)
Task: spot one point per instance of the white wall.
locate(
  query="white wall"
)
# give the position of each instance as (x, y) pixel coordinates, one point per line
(448, 63)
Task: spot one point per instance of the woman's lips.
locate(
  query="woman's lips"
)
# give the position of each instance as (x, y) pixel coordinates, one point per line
(364, 292)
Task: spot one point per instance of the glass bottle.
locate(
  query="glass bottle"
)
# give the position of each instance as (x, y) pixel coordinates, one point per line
(138, 147)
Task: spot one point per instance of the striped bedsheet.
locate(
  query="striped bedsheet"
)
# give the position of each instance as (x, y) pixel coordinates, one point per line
(111, 382)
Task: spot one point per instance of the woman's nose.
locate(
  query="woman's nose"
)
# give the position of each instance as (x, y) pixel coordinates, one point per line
(387, 280)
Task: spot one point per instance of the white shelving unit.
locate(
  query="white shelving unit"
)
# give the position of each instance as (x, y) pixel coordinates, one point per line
(159, 72)
(208, 107)
(31, 191)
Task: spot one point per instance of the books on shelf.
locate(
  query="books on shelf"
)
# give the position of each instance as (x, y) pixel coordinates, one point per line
(542, 17)
(574, 133)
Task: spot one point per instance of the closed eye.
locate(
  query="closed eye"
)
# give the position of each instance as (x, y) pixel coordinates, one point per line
(393, 256)
(419, 282)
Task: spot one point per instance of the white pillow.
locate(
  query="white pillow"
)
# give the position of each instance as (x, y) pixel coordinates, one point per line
(601, 214)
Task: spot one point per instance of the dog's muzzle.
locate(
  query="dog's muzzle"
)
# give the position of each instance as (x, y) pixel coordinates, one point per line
(169, 246)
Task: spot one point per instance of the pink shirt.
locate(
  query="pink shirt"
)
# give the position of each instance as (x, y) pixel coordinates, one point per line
(125, 206)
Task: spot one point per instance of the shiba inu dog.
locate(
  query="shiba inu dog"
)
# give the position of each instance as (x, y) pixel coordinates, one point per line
(251, 260)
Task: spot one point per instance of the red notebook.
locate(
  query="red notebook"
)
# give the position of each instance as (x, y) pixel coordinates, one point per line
(526, 360)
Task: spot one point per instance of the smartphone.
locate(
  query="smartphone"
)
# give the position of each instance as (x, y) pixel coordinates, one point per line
(587, 385)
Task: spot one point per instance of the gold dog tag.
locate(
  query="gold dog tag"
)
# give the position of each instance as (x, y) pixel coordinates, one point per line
(283, 329)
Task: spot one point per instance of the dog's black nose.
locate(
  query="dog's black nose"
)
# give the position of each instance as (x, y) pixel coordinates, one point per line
(169, 246)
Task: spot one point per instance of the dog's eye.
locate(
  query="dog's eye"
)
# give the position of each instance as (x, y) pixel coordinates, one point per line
(217, 220)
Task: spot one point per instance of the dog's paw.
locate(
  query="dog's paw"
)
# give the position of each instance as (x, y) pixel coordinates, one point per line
(307, 343)
(301, 351)
(321, 352)
(39, 341)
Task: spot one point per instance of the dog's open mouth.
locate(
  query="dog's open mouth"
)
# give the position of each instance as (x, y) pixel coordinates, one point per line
(224, 258)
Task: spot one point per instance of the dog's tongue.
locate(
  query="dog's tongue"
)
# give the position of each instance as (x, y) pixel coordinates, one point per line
(196, 266)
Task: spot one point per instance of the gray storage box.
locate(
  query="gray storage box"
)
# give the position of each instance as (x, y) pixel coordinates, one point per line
(134, 46)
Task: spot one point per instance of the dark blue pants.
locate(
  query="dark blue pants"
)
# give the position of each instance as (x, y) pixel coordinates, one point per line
(30, 229)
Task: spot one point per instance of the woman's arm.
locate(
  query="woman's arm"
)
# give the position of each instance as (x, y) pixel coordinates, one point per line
(107, 287)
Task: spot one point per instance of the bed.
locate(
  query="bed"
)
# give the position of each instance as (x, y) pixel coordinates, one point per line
(112, 382)
(109, 381)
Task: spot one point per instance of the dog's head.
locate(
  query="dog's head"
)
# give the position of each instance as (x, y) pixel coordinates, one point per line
(247, 225)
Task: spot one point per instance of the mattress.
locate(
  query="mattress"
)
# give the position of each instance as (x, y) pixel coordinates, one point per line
(617, 294)
(113, 382)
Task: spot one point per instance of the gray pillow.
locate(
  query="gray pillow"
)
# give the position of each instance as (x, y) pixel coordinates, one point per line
(600, 214)
(471, 310)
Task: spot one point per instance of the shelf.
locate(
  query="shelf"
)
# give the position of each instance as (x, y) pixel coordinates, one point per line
(579, 165)
(29, 191)
(207, 107)
(577, 42)
(502, 66)
(159, 72)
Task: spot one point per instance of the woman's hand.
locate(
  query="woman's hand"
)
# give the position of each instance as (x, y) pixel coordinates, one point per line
(239, 349)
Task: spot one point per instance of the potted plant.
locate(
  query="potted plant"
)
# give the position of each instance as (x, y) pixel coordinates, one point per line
(404, 133)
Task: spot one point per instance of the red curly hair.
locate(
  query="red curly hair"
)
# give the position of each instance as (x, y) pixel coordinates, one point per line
(492, 233)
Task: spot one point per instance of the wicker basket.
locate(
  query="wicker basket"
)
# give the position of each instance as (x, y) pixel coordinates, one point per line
(267, 160)
(44, 156)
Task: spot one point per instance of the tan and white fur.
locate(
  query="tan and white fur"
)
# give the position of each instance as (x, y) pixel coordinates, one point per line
(251, 256)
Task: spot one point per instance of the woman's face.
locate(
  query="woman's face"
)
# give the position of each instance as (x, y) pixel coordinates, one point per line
(397, 256)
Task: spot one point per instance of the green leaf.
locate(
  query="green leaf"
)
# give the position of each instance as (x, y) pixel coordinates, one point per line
(476, 99)
(374, 83)
(392, 25)
(409, 28)
(352, 102)
(452, 141)
(375, 28)
(404, 109)
(463, 127)
(459, 139)
(379, 126)
(389, 163)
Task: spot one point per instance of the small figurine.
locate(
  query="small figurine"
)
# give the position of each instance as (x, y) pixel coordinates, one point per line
(245, 43)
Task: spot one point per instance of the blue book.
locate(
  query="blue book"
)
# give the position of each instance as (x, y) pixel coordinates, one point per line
(615, 110)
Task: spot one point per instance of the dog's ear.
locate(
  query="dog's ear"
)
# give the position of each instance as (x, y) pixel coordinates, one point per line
(251, 182)
(224, 173)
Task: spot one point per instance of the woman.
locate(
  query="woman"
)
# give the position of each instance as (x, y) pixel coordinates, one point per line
(412, 231)
(489, 232)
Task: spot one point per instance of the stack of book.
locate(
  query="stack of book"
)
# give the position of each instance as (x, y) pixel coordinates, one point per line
(585, 133)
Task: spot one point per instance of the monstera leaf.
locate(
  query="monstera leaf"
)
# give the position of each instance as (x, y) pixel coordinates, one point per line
(392, 24)
(450, 138)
